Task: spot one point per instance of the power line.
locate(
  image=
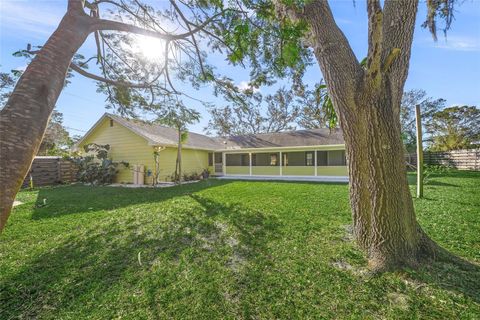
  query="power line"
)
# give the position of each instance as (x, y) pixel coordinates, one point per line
(80, 97)
(75, 129)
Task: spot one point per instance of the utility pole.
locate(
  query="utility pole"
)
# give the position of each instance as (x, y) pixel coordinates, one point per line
(419, 152)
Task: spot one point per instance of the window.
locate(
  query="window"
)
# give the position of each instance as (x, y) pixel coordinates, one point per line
(273, 159)
(309, 158)
(111, 123)
(210, 159)
(218, 158)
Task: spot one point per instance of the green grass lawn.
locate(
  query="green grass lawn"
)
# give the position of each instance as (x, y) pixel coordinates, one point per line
(227, 249)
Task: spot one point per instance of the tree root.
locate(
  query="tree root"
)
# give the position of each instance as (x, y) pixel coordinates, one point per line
(430, 251)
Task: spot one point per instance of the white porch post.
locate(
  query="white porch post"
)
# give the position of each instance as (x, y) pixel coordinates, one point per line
(250, 162)
(281, 163)
(315, 161)
(224, 164)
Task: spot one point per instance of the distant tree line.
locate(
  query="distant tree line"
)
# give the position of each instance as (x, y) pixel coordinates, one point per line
(445, 128)
(248, 111)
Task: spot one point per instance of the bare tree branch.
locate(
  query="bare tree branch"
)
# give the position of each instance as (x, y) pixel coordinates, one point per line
(103, 24)
(185, 20)
(87, 74)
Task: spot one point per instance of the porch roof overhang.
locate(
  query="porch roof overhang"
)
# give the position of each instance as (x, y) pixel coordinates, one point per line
(283, 149)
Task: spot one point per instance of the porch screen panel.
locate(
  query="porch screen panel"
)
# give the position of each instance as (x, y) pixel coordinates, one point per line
(266, 159)
(237, 160)
(337, 158)
(295, 159)
(322, 158)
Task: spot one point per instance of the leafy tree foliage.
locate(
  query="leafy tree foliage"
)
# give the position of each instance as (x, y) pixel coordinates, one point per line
(7, 82)
(245, 112)
(445, 128)
(455, 128)
(317, 110)
(428, 107)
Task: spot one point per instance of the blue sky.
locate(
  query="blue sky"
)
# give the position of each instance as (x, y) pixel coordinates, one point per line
(449, 68)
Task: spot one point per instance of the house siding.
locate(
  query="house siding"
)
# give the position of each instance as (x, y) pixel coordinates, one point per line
(127, 146)
(193, 161)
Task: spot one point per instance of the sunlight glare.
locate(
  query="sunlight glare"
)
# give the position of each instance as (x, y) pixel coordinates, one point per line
(150, 48)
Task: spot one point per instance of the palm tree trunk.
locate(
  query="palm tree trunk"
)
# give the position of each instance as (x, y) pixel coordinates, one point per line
(25, 117)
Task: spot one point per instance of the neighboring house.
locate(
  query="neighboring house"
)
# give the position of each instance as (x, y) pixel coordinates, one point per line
(302, 153)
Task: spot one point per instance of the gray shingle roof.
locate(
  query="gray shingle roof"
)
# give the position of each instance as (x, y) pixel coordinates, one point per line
(161, 135)
(298, 138)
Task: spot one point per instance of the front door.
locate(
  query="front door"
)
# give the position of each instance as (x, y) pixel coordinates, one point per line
(218, 163)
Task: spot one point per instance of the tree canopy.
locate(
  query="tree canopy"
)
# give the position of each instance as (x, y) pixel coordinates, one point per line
(454, 128)
(428, 107)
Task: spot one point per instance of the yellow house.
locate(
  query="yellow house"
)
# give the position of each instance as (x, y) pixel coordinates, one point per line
(298, 154)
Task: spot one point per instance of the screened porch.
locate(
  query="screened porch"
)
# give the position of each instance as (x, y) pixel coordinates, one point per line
(286, 163)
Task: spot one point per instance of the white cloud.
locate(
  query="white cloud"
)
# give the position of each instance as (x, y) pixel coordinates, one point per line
(244, 85)
(39, 20)
(458, 43)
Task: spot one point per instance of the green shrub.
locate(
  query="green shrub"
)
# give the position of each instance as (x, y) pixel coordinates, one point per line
(431, 170)
(96, 168)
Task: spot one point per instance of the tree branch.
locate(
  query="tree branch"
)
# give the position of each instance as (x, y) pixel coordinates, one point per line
(110, 25)
(187, 23)
(398, 27)
(103, 24)
(338, 63)
(390, 59)
(75, 6)
(375, 39)
(108, 81)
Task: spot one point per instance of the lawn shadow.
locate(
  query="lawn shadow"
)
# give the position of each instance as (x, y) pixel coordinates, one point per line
(440, 183)
(81, 273)
(459, 174)
(461, 276)
(73, 199)
(412, 180)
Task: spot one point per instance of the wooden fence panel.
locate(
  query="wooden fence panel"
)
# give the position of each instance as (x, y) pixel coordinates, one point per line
(468, 159)
(47, 171)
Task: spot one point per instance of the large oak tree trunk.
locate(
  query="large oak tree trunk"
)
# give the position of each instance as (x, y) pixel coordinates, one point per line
(25, 117)
(367, 101)
(384, 221)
